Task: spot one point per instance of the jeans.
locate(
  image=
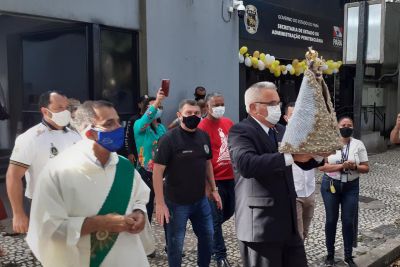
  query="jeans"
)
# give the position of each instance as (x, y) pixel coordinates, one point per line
(147, 177)
(199, 213)
(226, 189)
(346, 197)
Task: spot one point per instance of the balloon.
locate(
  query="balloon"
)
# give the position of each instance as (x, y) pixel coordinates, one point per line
(261, 65)
(292, 71)
(247, 61)
(273, 58)
(247, 54)
(340, 63)
(289, 67)
(241, 58)
(256, 54)
(243, 50)
(269, 59)
(335, 70)
(262, 56)
(254, 62)
(277, 73)
(295, 62)
(284, 72)
(324, 67)
(335, 65)
(329, 71)
(283, 68)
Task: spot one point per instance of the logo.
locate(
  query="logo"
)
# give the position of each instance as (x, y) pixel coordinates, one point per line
(337, 36)
(206, 149)
(53, 151)
(251, 19)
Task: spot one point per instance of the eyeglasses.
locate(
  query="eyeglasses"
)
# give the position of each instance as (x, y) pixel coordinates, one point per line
(270, 104)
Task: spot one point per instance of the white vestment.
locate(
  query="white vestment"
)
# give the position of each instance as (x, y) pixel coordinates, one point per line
(74, 186)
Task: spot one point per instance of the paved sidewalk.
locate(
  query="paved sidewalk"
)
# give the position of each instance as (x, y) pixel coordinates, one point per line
(379, 220)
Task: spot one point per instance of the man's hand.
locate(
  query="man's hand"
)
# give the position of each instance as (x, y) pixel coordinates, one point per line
(162, 213)
(114, 223)
(217, 198)
(136, 221)
(398, 122)
(131, 158)
(20, 223)
(302, 157)
(349, 165)
(160, 95)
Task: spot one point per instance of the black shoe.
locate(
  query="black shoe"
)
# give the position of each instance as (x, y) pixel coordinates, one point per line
(349, 261)
(223, 263)
(329, 261)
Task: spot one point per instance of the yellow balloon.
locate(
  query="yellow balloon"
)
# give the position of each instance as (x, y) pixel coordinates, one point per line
(277, 73)
(272, 68)
(254, 62)
(329, 71)
(277, 62)
(295, 62)
(256, 54)
(283, 68)
(292, 71)
(262, 57)
(335, 65)
(340, 63)
(243, 50)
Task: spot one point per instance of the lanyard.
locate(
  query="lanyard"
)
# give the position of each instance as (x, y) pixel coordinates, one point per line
(345, 154)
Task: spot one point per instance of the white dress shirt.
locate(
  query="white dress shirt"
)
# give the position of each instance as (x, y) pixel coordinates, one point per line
(304, 181)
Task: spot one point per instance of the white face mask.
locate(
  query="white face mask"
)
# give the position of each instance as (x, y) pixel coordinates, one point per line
(274, 114)
(62, 118)
(218, 112)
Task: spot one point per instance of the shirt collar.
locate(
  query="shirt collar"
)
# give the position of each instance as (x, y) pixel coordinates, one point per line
(265, 128)
(51, 127)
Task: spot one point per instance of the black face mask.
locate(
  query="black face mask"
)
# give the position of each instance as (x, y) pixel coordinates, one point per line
(191, 122)
(346, 132)
(198, 97)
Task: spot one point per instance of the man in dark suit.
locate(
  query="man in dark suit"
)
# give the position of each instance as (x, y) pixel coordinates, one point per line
(265, 213)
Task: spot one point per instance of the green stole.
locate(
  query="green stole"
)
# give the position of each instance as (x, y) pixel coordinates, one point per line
(116, 202)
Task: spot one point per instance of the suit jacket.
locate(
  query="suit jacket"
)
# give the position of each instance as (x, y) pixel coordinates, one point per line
(265, 195)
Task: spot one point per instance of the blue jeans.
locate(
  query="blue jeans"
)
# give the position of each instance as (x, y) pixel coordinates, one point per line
(199, 213)
(346, 197)
(226, 190)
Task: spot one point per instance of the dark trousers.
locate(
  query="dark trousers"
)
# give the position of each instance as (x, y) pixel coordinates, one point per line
(346, 197)
(147, 177)
(290, 253)
(226, 189)
(199, 213)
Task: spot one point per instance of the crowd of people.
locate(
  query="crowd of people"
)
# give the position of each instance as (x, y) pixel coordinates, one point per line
(86, 205)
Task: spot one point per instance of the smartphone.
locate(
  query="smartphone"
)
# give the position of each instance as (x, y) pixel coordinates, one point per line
(165, 86)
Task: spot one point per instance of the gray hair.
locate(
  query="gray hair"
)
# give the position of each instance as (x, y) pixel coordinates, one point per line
(253, 93)
(85, 115)
(211, 95)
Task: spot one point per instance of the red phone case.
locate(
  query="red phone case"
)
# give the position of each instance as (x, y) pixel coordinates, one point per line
(165, 86)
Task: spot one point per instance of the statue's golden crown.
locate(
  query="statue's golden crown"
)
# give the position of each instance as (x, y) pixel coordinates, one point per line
(312, 58)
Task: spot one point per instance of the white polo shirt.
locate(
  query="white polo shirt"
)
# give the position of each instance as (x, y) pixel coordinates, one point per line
(38, 145)
(356, 153)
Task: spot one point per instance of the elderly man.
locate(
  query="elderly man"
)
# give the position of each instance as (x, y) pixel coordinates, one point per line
(90, 204)
(395, 133)
(265, 210)
(34, 148)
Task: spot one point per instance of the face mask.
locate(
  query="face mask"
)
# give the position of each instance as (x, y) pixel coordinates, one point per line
(274, 114)
(61, 118)
(159, 113)
(218, 112)
(113, 140)
(191, 122)
(346, 132)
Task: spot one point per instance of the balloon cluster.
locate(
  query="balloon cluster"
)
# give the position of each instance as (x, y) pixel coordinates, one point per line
(263, 61)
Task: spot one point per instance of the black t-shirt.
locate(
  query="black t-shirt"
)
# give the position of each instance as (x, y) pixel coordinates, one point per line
(185, 155)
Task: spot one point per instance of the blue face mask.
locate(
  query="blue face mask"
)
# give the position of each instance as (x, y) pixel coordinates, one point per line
(113, 140)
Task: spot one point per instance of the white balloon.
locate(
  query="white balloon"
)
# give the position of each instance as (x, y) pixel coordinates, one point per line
(284, 72)
(261, 65)
(273, 58)
(269, 59)
(247, 61)
(335, 70)
(289, 67)
(241, 58)
(325, 67)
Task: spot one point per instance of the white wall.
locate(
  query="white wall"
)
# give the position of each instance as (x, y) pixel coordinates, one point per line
(117, 13)
(189, 43)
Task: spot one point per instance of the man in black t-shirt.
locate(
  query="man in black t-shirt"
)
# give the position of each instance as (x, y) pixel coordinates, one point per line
(184, 158)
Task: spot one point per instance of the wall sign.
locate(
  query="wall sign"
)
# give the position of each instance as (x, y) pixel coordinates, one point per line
(251, 19)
